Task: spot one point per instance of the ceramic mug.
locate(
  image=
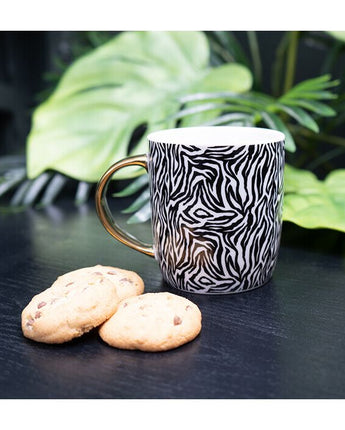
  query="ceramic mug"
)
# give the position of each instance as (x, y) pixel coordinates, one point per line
(216, 199)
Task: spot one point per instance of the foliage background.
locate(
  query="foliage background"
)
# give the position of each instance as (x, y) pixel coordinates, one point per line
(277, 61)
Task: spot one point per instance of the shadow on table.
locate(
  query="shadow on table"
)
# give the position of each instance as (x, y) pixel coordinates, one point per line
(88, 368)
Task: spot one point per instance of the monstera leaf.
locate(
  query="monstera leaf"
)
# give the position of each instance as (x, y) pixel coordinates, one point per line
(312, 203)
(339, 35)
(133, 82)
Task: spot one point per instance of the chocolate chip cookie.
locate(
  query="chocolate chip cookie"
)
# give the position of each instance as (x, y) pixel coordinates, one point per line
(72, 306)
(152, 322)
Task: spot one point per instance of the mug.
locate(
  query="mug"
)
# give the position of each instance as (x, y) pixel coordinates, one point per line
(216, 206)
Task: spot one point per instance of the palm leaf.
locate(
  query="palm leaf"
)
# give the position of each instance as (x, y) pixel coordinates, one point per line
(312, 105)
(53, 189)
(133, 187)
(273, 121)
(300, 115)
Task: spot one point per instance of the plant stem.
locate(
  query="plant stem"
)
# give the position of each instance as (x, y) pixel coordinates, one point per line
(223, 53)
(278, 65)
(335, 152)
(255, 54)
(331, 57)
(327, 138)
(291, 60)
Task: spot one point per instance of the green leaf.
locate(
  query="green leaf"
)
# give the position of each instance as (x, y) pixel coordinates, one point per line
(53, 189)
(300, 116)
(11, 179)
(312, 105)
(134, 79)
(275, 123)
(196, 109)
(230, 77)
(9, 162)
(139, 202)
(232, 46)
(133, 187)
(339, 35)
(227, 101)
(18, 196)
(83, 192)
(35, 188)
(252, 99)
(312, 203)
(142, 215)
(314, 84)
(312, 95)
(230, 118)
(207, 113)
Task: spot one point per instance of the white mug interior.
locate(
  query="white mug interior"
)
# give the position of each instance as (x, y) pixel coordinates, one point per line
(217, 136)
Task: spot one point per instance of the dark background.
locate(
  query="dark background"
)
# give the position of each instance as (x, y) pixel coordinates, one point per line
(25, 57)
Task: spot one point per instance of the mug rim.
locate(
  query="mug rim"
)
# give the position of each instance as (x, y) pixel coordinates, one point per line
(216, 136)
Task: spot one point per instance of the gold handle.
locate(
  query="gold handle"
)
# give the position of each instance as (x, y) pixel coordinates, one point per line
(103, 210)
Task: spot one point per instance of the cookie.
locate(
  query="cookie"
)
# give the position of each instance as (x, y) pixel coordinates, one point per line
(72, 306)
(127, 283)
(152, 322)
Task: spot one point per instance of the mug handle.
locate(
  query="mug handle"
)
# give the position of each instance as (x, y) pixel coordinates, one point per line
(104, 212)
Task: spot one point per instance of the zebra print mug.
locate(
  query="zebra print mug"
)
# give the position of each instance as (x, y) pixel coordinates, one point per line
(216, 200)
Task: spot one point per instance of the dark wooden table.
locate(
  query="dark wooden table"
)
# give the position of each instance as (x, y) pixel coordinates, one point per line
(284, 340)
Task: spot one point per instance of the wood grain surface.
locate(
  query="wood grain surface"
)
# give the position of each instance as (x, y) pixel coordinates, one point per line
(284, 340)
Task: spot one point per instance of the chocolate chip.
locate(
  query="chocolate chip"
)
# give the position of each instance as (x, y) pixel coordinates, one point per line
(97, 273)
(112, 273)
(54, 300)
(41, 304)
(38, 315)
(126, 280)
(125, 304)
(29, 322)
(188, 307)
(70, 283)
(177, 320)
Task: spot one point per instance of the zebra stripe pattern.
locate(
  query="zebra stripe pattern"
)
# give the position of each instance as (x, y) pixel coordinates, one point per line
(216, 214)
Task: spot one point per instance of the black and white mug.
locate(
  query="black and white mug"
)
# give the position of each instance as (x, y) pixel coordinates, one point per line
(216, 200)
